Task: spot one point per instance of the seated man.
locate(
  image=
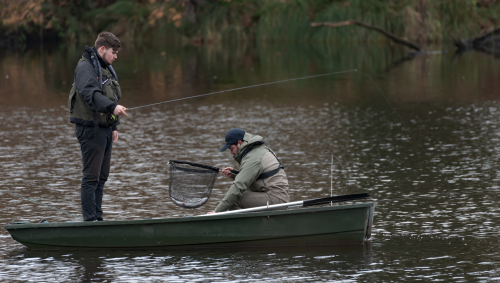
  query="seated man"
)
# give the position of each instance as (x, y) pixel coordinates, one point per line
(262, 179)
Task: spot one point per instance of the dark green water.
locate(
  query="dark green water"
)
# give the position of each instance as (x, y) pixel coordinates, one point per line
(448, 102)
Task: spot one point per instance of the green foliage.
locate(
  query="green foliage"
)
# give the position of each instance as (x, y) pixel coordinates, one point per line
(464, 18)
(288, 20)
(66, 17)
(222, 20)
(284, 22)
(247, 20)
(374, 12)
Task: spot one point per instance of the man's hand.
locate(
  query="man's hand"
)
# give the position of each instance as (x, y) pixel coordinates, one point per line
(115, 136)
(227, 171)
(211, 212)
(120, 110)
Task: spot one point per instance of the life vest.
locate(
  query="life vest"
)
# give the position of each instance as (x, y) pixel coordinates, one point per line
(81, 111)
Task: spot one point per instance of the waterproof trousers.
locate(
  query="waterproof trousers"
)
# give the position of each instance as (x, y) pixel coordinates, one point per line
(253, 199)
(96, 159)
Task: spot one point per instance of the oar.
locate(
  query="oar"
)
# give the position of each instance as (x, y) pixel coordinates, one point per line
(303, 203)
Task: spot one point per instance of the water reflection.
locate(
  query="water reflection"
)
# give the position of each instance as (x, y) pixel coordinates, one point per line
(269, 264)
(162, 72)
(455, 260)
(449, 104)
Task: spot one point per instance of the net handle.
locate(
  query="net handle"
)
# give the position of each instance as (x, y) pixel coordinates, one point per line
(195, 165)
(201, 166)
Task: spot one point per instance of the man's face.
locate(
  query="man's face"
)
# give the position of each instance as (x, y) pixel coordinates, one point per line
(234, 148)
(108, 55)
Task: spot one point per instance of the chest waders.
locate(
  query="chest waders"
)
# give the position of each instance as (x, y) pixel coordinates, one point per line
(269, 173)
(108, 82)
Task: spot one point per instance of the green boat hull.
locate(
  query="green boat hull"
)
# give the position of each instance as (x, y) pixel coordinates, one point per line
(327, 225)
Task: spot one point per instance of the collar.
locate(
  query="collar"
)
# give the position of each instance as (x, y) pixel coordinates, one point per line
(245, 148)
(89, 50)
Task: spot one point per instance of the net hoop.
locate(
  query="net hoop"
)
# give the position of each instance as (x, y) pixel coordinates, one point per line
(173, 162)
(190, 193)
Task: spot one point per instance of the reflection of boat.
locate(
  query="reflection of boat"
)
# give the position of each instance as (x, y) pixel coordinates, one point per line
(328, 225)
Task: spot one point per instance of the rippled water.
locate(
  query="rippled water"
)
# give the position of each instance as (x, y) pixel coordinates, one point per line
(437, 185)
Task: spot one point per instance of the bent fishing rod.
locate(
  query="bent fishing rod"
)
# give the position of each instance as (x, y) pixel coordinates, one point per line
(244, 87)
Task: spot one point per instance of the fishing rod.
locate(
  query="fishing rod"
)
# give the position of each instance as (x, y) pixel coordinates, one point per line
(245, 87)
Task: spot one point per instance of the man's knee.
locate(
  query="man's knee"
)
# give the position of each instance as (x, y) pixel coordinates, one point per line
(90, 176)
(253, 199)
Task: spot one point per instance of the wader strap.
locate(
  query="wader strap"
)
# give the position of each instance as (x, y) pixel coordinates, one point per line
(113, 72)
(275, 156)
(97, 67)
(73, 100)
(270, 173)
(250, 147)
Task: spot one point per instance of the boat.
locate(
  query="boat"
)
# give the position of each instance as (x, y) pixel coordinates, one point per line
(325, 225)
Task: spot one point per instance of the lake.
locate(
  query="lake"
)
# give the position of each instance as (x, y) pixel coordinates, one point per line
(418, 134)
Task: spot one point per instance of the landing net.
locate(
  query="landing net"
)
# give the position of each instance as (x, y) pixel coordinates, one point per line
(191, 183)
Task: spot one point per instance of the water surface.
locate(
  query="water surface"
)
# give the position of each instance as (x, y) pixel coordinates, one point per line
(432, 164)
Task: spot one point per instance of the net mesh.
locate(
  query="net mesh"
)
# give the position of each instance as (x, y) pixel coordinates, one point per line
(191, 183)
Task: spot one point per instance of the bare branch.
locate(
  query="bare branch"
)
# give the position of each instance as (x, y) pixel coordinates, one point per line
(384, 32)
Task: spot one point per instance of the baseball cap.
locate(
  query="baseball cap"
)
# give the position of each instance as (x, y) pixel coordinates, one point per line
(232, 137)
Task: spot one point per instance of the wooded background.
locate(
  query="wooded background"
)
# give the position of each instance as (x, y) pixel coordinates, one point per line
(242, 20)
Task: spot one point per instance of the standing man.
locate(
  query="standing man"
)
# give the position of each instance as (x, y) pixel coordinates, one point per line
(262, 179)
(93, 106)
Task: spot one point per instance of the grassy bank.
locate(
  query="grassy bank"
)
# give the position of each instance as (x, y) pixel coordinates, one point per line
(244, 20)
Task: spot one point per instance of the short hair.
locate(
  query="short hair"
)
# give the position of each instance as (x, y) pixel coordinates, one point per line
(108, 40)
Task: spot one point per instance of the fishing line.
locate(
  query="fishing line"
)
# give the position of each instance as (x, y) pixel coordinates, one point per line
(196, 96)
(343, 172)
(413, 137)
(342, 167)
(394, 109)
(331, 177)
(402, 121)
(14, 194)
(245, 87)
(331, 180)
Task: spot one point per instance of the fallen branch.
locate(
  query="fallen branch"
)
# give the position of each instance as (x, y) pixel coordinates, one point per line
(384, 32)
(488, 42)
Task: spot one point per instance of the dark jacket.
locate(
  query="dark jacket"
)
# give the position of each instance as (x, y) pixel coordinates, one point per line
(87, 84)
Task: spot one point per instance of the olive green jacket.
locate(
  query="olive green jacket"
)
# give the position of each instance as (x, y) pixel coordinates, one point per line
(257, 161)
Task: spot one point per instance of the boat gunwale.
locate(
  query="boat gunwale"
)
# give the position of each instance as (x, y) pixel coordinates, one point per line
(185, 219)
